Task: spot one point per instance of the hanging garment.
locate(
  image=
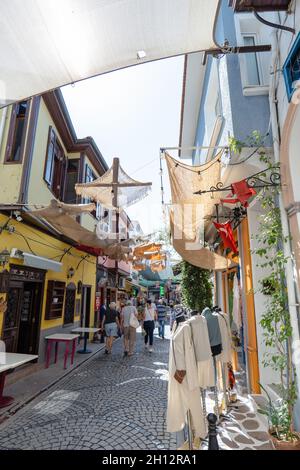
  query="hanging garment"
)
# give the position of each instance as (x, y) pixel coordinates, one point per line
(236, 308)
(225, 355)
(202, 350)
(226, 233)
(214, 332)
(242, 191)
(183, 391)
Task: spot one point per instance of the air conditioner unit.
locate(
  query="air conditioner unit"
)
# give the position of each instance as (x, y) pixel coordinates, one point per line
(122, 283)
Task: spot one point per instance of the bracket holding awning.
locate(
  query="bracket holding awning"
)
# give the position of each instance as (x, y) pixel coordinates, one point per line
(259, 180)
(216, 52)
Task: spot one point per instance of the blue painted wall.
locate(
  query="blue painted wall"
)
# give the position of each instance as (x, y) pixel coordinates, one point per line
(242, 114)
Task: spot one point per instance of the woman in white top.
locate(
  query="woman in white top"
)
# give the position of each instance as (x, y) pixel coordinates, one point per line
(150, 316)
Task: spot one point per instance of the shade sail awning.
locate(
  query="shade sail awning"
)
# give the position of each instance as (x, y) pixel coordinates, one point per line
(189, 212)
(61, 217)
(201, 257)
(190, 209)
(150, 249)
(46, 44)
(115, 189)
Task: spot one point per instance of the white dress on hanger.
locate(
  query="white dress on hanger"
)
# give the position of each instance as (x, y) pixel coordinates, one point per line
(236, 309)
(185, 396)
(200, 339)
(225, 355)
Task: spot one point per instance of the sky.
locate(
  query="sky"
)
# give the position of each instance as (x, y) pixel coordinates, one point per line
(131, 113)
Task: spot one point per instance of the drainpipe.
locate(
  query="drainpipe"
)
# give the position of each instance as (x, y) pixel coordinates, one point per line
(292, 287)
(2, 124)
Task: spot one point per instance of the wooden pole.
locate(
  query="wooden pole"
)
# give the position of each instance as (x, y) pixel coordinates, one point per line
(116, 166)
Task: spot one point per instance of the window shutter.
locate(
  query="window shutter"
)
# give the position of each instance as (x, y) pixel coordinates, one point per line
(11, 131)
(48, 174)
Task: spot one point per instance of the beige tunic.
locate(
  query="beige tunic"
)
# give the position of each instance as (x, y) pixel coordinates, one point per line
(185, 396)
(225, 355)
(202, 350)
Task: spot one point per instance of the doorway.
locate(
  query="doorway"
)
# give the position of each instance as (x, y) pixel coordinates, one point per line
(22, 319)
(85, 306)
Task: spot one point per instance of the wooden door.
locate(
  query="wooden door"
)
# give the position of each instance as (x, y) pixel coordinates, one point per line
(30, 317)
(12, 316)
(85, 306)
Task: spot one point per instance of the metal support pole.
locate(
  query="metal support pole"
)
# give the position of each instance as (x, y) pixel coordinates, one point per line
(216, 388)
(203, 396)
(212, 432)
(224, 369)
(190, 431)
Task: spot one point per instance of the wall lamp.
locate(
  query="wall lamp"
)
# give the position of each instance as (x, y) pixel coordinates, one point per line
(71, 272)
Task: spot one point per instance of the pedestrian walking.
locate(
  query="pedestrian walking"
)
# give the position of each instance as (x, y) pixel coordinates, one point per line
(162, 317)
(150, 317)
(110, 324)
(102, 314)
(129, 331)
(172, 314)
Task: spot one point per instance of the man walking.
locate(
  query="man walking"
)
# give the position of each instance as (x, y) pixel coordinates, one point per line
(161, 316)
(129, 331)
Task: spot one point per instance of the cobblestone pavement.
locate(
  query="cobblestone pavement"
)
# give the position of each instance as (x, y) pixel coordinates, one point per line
(110, 402)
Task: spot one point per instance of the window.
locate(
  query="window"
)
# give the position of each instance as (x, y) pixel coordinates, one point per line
(55, 299)
(90, 176)
(252, 68)
(17, 131)
(291, 68)
(71, 179)
(70, 304)
(55, 166)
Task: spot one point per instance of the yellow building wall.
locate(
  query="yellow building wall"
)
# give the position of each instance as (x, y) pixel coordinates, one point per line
(38, 192)
(49, 247)
(10, 174)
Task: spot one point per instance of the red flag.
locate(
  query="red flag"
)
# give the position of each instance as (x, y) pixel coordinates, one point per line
(226, 233)
(242, 192)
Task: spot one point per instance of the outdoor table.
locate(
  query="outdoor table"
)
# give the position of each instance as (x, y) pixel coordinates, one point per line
(10, 361)
(86, 332)
(60, 338)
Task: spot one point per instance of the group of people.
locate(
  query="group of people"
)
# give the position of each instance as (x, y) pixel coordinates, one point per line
(125, 320)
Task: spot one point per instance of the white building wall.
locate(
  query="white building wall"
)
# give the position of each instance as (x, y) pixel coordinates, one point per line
(267, 375)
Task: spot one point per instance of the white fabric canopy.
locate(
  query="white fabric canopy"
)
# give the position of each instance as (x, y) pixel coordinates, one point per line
(45, 44)
(124, 192)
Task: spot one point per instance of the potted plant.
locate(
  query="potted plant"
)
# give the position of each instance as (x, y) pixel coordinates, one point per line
(279, 421)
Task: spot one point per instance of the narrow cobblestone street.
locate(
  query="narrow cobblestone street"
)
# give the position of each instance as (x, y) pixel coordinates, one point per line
(110, 402)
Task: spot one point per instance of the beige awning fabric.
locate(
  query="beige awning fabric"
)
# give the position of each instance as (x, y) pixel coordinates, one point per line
(150, 248)
(185, 180)
(203, 257)
(123, 191)
(46, 44)
(189, 212)
(61, 217)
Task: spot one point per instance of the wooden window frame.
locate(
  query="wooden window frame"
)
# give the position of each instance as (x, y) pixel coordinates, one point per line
(52, 313)
(11, 132)
(50, 183)
(69, 288)
(68, 160)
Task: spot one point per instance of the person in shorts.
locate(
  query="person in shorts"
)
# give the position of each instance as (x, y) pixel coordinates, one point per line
(110, 323)
(128, 330)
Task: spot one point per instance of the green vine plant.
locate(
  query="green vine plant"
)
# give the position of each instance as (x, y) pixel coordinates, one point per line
(275, 321)
(197, 292)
